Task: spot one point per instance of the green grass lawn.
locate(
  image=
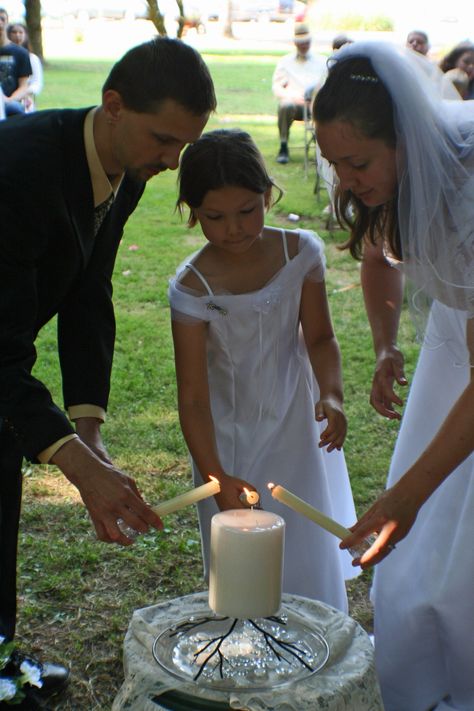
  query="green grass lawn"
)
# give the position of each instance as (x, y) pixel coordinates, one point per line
(77, 595)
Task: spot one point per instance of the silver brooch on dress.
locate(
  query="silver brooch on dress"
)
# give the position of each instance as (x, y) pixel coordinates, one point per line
(211, 306)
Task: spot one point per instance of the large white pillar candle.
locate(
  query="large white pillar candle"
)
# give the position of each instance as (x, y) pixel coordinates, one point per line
(246, 563)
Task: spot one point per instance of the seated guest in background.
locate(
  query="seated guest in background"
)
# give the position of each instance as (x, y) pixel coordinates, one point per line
(418, 45)
(18, 34)
(418, 42)
(15, 68)
(295, 77)
(461, 57)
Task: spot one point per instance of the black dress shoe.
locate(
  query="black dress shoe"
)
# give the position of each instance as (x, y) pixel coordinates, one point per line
(30, 703)
(54, 676)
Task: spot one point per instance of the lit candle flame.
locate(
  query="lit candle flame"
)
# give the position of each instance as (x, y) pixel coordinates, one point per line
(251, 498)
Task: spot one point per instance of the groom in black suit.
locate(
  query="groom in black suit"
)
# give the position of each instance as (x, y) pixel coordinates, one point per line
(69, 179)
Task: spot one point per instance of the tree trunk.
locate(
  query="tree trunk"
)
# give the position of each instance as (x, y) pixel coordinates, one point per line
(33, 24)
(154, 14)
(228, 19)
(156, 17)
(181, 19)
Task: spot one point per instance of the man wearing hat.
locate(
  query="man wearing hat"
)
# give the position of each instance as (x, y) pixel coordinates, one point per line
(295, 76)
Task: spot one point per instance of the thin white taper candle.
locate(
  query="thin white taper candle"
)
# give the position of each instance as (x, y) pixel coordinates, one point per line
(189, 497)
(178, 502)
(294, 502)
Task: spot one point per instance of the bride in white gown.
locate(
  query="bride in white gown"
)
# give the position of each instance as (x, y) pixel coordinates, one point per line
(405, 163)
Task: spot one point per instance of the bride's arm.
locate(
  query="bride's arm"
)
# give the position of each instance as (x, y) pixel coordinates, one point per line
(382, 286)
(394, 513)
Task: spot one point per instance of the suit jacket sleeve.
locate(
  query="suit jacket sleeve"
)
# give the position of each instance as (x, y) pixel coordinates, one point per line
(50, 263)
(26, 406)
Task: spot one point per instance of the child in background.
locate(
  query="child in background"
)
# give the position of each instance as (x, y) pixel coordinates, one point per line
(251, 326)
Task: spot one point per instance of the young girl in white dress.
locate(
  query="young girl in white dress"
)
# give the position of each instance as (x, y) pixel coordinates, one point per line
(251, 326)
(405, 163)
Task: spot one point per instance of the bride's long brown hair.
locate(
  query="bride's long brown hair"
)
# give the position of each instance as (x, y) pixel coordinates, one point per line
(353, 93)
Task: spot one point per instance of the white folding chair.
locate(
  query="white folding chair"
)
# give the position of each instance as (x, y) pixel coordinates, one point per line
(310, 147)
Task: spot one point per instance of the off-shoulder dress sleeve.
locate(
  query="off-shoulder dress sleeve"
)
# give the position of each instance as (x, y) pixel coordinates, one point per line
(311, 247)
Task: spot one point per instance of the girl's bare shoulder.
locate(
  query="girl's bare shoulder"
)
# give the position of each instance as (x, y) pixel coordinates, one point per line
(188, 277)
(275, 235)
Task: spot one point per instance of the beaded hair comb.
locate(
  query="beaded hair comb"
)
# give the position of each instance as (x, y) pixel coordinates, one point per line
(364, 78)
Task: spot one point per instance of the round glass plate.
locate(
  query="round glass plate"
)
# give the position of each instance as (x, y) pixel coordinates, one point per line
(223, 654)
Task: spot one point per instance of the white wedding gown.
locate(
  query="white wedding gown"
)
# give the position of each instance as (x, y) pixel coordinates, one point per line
(262, 396)
(424, 591)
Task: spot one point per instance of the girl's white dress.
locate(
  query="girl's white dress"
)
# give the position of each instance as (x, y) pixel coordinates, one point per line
(262, 397)
(424, 590)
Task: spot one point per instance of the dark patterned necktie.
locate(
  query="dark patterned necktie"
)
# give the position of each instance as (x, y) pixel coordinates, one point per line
(101, 211)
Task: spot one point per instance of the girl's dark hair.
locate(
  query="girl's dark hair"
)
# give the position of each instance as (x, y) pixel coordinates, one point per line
(163, 68)
(26, 42)
(225, 157)
(450, 60)
(353, 93)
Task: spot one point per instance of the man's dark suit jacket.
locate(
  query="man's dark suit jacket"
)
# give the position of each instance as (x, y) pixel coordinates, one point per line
(51, 263)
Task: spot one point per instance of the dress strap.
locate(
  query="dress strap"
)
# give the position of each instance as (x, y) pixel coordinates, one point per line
(200, 276)
(285, 245)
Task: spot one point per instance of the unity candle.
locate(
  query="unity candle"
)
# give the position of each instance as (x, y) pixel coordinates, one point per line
(246, 563)
(294, 502)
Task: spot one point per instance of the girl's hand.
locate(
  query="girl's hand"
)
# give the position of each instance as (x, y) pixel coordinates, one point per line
(231, 489)
(391, 517)
(335, 433)
(388, 370)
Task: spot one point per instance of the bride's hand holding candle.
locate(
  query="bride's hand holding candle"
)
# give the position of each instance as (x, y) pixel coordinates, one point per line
(300, 506)
(392, 515)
